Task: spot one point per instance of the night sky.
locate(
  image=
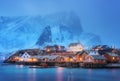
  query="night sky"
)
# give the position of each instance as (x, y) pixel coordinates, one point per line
(101, 17)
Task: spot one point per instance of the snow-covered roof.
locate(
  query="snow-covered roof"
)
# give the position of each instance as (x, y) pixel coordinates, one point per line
(24, 54)
(98, 57)
(93, 53)
(112, 54)
(46, 56)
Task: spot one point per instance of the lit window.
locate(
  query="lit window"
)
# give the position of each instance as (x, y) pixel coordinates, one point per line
(113, 58)
(80, 59)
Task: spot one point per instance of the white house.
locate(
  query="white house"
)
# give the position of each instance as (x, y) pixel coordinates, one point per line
(24, 57)
(75, 47)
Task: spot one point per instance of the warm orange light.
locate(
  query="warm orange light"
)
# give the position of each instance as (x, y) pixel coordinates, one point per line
(48, 50)
(66, 59)
(113, 58)
(30, 59)
(35, 60)
(89, 58)
(20, 59)
(80, 59)
(71, 59)
(16, 58)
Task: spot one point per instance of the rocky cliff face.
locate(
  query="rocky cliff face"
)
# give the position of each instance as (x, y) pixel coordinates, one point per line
(45, 37)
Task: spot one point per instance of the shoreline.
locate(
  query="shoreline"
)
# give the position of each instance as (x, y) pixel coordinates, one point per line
(67, 65)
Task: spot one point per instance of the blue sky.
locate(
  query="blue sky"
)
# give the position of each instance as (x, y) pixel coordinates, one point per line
(101, 17)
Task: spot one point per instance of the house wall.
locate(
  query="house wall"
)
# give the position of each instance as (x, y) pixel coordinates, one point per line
(81, 58)
(25, 57)
(110, 58)
(90, 59)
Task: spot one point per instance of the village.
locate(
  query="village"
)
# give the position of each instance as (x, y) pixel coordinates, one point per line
(75, 55)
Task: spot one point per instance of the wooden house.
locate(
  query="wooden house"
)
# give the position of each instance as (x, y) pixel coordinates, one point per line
(80, 56)
(51, 58)
(112, 57)
(55, 48)
(24, 57)
(95, 59)
(75, 47)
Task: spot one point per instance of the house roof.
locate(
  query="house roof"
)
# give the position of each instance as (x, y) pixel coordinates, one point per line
(24, 54)
(46, 56)
(80, 53)
(93, 53)
(112, 54)
(98, 57)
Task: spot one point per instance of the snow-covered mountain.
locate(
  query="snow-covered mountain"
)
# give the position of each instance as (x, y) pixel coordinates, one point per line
(28, 31)
(65, 28)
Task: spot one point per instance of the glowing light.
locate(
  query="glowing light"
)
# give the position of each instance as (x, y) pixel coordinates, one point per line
(20, 59)
(66, 59)
(71, 59)
(89, 59)
(80, 59)
(35, 60)
(16, 58)
(113, 58)
(48, 50)
(30, 59)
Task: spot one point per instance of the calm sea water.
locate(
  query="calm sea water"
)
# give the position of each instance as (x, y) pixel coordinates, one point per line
(24, 73)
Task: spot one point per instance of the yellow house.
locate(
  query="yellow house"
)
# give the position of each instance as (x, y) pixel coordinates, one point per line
(75, 47)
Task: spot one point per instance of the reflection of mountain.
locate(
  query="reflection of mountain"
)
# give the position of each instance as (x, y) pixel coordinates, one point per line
(28, 31)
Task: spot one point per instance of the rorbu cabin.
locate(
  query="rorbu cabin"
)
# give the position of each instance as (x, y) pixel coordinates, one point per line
(95, 59)
(75, 47)
(112, 57)
(60, 59)
(24, 57)
(80, 56)
(55, 48)
(51, 58)
(61, 49)
(50, 49)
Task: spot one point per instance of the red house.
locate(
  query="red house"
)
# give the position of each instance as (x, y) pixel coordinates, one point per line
(95, 59)
(112, 57)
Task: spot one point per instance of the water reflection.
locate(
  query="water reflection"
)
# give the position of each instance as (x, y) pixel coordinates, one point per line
(32, 74)
(24, 73)
(60, 74)
(70, 76)
(19, 66)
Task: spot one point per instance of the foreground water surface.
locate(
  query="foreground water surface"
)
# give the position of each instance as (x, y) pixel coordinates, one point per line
(24, 73)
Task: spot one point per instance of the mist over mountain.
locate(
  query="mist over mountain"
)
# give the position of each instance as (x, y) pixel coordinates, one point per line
(21, 32)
